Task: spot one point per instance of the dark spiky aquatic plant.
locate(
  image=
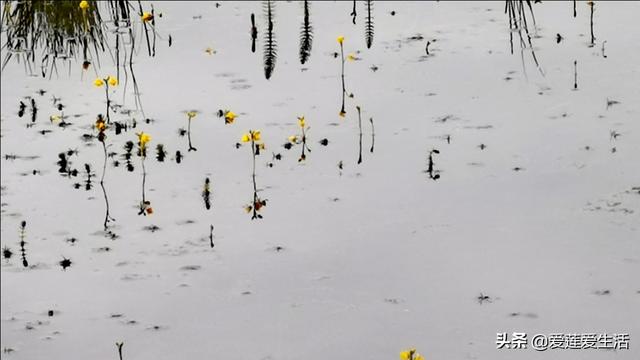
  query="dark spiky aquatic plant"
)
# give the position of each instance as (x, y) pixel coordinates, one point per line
(368, 24)
(270, 54)
(306, 35)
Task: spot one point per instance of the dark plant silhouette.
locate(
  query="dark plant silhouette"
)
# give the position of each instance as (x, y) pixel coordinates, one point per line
(306, 35)
(206, 193)
(299, 140)
(190, 115)
(254, 33)
(373, 135)
(254, 137)
(353, 13)
(7, 253)
(119, 346)
(518, 22)
(270, 49)
(359, 135)
(592, 5)
(145, 205)
(368, 25)
(101, 126)
(23, 251)
(433, 174)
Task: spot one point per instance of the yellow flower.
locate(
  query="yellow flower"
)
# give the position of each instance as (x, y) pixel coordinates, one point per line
(112, 81)
(262, 146)
(248, 209)
(143, 138)
(147, 17)
(301, 121)
(246, 138)
(342, 113)
(351, 57)
(98, 82)
(229, 116)
(293, 139)
(55, 118)
(101, 125)
(191, 114)
(84, 5)
(340, 39)
(410, 354)
(255, 135)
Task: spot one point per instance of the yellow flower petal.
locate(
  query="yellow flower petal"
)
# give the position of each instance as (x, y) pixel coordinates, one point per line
(84, 5)
(351, 57)
(405, 355)
(112, 81)
(340, 39)
(301, 121)
(229, 116)
(143, 138)
(256, 135)
(293, 139)
(98, 82)
(418, 357)
(192, 114)
(147, 17)
(246, 138)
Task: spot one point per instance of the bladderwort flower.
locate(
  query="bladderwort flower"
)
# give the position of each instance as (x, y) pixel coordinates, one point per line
(254, 137)
(229, 117)
(84, 5)
(147, 16)
(106, 82)
(143, 140)
(410, 354)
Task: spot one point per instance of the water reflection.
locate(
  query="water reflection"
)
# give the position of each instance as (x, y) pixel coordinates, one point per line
(270, 49)
(306, 35)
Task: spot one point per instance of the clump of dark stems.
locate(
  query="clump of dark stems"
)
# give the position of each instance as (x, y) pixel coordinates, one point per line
(206, 193)
(89, 173)
(161, 153)
(270, 50)
(34, 110)
(64, 164)
(306, 35)
(518, 22)
(128, 148)
(23, 251)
